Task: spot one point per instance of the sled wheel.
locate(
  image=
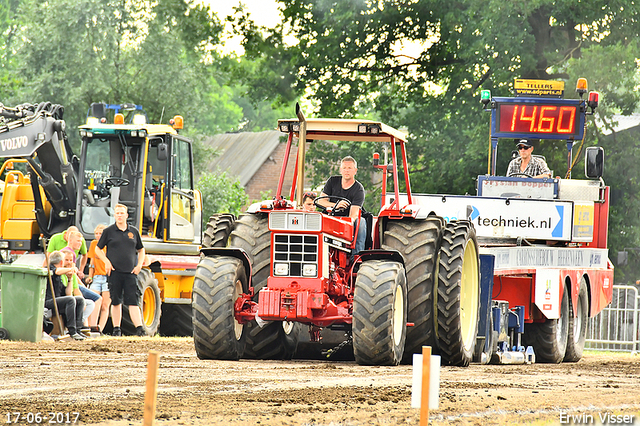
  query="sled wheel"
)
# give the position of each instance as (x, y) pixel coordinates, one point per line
(549, 338)
(577, 329)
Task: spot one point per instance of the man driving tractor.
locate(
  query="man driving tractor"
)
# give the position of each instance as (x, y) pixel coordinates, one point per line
(346, 187)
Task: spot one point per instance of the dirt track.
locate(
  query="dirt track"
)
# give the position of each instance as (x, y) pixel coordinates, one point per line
(103, 379)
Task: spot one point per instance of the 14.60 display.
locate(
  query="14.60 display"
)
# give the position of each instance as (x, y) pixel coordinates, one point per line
(547, 120)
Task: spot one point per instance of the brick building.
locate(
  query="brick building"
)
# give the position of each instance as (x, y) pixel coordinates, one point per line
(255, 159)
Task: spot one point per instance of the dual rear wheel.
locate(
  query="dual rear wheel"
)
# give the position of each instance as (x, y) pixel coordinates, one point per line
(443, 284)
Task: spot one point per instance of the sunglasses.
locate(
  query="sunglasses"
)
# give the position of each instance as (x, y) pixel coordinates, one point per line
(524, 147)
(310, 194)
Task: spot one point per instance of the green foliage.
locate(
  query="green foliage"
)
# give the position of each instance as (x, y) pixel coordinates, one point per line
(160, 55)
(221, 194)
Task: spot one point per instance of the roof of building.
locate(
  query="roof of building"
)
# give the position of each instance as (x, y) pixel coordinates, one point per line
(242, 154)
(623, 122)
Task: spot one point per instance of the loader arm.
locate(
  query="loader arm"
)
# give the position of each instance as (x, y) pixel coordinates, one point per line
(36, 133)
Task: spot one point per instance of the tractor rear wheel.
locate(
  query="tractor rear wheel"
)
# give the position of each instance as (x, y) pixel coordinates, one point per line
(218, 230)
(150, 306)
(549, 338)
(218, 283)
(176, 320)
(379, 313)
(577, 330)
(271, 341)
(419, 243)
(458, 293)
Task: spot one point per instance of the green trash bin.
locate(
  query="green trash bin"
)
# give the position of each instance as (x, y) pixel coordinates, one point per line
(22, 301)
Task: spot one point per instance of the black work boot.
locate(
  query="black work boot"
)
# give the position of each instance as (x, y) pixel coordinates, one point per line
(116, 331)
(140, 331)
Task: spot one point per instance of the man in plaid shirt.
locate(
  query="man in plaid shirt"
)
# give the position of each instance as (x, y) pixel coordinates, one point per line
(526, 163)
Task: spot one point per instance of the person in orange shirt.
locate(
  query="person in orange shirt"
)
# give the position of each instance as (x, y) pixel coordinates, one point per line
(98, 278)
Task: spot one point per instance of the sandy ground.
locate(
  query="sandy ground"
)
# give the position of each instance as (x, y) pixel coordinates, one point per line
(103, 379)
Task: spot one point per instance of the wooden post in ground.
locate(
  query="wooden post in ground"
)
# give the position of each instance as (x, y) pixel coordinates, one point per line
(426, 378)
(152, 389)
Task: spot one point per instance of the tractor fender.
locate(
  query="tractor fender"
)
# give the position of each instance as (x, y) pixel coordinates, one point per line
(421, 212)
(238, 253)
(414, 211)
(255, 207)
(381, 255)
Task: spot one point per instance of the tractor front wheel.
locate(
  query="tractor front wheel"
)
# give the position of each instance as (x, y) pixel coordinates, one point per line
(272, 340)
(176, 320)
(218, 283)
(379, 313)
(458, 300)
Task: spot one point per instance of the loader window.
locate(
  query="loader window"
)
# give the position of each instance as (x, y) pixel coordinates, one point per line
(96, 168)
(182, 165)
(182, 215)
(96, 203)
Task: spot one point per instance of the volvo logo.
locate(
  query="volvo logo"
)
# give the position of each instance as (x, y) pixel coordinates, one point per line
(14, 143)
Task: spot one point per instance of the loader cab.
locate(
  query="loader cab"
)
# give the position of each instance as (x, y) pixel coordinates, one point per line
(149, 169)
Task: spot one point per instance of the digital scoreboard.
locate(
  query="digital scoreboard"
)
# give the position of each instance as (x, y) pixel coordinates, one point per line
(538, 118)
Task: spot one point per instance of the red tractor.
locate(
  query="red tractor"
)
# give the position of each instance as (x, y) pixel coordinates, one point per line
(416, 283)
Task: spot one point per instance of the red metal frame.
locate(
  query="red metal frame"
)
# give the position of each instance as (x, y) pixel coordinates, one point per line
(284, 166)
(517, 286)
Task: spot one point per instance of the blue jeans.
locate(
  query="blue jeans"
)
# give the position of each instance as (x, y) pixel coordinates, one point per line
(88, 294)
(361, 238)
(99, 283)
(91, 298)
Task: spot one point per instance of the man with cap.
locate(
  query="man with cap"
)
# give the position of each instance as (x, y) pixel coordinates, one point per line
(526, 163)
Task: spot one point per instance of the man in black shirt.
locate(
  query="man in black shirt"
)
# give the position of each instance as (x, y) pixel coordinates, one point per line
(124, 246)
(346, 186)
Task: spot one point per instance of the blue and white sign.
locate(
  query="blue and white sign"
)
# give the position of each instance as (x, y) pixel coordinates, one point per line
(505, 218)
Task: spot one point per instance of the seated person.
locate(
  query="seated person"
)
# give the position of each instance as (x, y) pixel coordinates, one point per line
(307, 201)
(71, 307)
(60, 240)
(526, 163)
(346, 186)
(92, 299)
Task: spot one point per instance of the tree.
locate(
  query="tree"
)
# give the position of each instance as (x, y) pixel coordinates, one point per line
(9, 25)
(349, 60)
(160, 55)
(221, 194)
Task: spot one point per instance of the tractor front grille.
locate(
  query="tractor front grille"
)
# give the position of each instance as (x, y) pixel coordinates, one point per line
(298, 252)
(295, 221)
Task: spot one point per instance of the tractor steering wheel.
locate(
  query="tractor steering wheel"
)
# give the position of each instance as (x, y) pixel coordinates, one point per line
(333, 211)
(520, 174)
(115, 181)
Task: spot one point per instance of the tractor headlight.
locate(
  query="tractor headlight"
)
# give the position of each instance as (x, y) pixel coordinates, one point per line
(281, 269)
(309, 270)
